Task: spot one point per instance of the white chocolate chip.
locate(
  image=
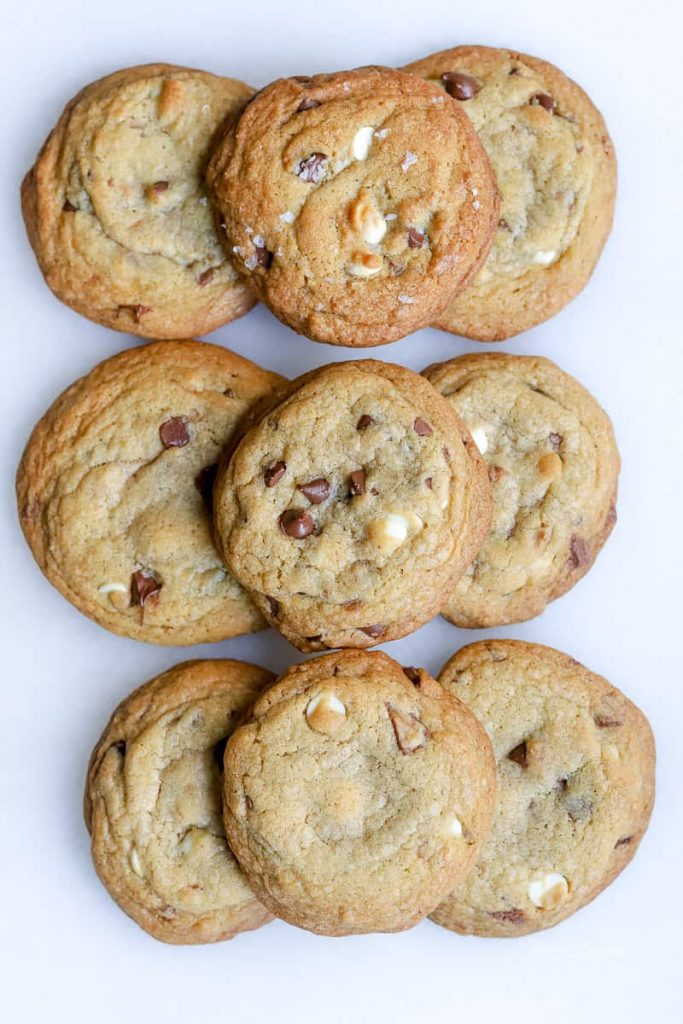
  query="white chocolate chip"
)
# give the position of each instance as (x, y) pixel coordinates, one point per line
(366, 220)
(287, 216)
(408, 160)
(456, 827)
(361, 143)
(548, 891)
(113, 588)
(325, 713)
(135, 862)
(389, 532)
(364, 264)
(480, 439)
(544, 258)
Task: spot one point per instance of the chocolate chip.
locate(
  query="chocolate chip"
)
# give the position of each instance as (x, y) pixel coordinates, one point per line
(274, 473)
(428, 482)
(513, 916)
(357, 482)
(378, 629)
(143, 588)
(312, 169)
(264, 257)
(218, 751)
(415, 238)
(545, 100)
(173, 433)
(459, 85)
(421, 427)
(555, 439)
(296, 523)
(409, 731)
(578, 551)
(623, 842)
(204, 482)
(159, 186)
(518, 754)
(316, 490)
(413, 674)
(364, 422)
(137, 311)
(306, 105)
(605, 722)
(205, 277)
(273, 606)
(68, 207)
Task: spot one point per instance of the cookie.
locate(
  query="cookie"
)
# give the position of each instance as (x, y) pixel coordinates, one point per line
(357, 794)
(575, 766)
(352, 507)
(114, 490)
(153, 803)
(553, 464)
(356, 204)
(116, 208)
(556, 172)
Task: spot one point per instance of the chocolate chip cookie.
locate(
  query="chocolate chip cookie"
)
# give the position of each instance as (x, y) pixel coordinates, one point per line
(575, 765)
(353, 506)
(356, 204)
(153, 804)
(556, 172)
(116, 208)
(115, 485)
(553, 464)
(357, 794)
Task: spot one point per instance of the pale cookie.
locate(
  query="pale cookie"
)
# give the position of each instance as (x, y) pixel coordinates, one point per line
(153, 804)
(357, 794)
(353, 506)
(114, 491)
(116, 208)
(575, 764)
(553, 464)
(356, 204)
(556, 172)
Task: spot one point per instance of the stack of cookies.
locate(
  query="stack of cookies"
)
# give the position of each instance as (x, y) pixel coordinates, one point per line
(181, 494)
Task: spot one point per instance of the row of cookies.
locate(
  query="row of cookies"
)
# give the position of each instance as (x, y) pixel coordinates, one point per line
(472, 190)
(353, 795)
(180, 494)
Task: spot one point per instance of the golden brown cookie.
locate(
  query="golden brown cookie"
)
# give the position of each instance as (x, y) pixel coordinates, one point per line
(575, 764)
(114, 491)
(356, 204)
(153, 803)
(553, 464)
(351, 508)
(556, 172)
(116, 208)
(357, 794)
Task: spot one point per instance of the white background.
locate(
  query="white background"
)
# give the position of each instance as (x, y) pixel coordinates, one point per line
(68, 954)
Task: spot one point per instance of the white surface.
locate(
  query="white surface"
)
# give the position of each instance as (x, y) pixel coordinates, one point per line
(68, 953)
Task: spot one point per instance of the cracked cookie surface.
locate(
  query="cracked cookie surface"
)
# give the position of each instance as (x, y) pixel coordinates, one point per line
(153, 803)
(113, 489)
(117, 211)
(349, 510)
(575, 766)
(357, 204)
(356, 793)
(556, 172)
(553, 464)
